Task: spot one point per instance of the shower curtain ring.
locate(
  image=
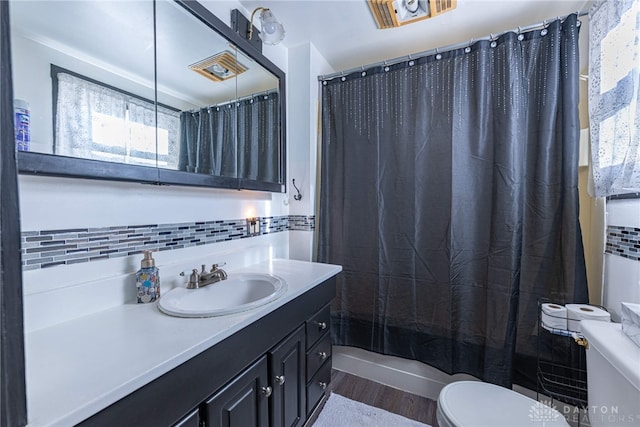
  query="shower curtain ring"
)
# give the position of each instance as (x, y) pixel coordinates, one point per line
(468, 48)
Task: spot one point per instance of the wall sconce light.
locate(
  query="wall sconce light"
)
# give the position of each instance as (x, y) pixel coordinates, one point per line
(271, 31)
(253, 226)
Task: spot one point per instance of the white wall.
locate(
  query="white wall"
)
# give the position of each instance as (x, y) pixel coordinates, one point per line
(305, 64)
(621, 275)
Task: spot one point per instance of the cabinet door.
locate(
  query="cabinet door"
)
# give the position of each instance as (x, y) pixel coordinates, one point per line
(287, 370)
(191, 420)
(243, 402)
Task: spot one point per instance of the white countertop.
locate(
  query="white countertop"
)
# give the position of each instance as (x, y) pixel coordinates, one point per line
(77, 368)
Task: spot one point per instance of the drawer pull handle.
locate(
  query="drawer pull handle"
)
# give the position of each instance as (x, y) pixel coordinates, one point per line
(280, 379)
(322, 355)
(322, 385)
(322, 325)
(266, 391)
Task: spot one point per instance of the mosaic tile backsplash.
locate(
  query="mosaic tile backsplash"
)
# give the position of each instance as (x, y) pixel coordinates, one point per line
(48, 248)
(623, 241)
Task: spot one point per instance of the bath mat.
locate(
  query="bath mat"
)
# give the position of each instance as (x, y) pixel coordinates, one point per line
(342, 412)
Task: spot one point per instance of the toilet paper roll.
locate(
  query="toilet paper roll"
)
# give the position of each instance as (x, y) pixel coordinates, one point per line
(578, 312)
(553, 316)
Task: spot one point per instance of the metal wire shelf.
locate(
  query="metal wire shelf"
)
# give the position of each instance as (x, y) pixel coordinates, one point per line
(561, 365)
(566, 384)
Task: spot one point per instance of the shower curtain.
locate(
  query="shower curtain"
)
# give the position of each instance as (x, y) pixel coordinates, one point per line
(238, 139)
(208, 141)
(449, 196)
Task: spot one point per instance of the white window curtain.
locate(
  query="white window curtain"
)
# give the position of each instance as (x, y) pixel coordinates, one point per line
(96, 122)
(168, 138)
(614, 95)
(79, 103)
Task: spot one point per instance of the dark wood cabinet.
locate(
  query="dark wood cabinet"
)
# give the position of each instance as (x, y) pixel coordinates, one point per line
(287, 374)
(318, 325)
(317, 386)
(259, 376)
(244, 402)
(191, 420)
(318, 357)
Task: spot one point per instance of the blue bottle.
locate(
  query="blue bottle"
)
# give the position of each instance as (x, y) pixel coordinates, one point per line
(148, 279)
(22, 119)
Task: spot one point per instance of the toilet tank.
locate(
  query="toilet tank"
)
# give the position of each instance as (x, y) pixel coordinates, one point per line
(613, 375)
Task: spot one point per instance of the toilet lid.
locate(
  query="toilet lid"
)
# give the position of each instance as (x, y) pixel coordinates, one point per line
(474, 403)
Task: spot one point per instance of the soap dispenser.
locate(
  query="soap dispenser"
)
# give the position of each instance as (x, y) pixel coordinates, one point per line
(148, 279)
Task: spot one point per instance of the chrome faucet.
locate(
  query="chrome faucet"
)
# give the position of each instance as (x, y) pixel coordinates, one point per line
(200, 279)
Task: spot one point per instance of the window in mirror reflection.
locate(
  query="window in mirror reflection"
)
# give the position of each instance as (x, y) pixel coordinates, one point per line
(100, 122)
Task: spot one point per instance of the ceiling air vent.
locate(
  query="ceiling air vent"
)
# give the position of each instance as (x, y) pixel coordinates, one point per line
(394, 13)
(219, 67)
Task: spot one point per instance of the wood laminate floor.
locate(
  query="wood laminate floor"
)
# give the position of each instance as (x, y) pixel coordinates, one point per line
(384, 397)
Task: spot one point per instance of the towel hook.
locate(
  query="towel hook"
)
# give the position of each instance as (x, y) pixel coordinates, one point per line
(296, 197)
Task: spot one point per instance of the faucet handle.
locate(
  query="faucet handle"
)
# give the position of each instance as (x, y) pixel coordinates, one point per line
(214, 267)
(194, 279)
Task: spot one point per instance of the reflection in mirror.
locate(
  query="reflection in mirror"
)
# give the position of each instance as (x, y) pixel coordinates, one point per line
(85, 71)
(258, 106)
(229, 104)
(91, 103)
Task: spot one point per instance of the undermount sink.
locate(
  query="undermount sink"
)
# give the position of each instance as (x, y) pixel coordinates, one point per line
(239, 292)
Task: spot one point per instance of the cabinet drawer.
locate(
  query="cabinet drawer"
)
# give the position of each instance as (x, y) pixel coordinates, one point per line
(317, 386)
(318, 325)
(318, 355)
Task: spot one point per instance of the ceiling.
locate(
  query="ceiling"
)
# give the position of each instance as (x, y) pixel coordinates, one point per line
(118, 36)
(345, 33)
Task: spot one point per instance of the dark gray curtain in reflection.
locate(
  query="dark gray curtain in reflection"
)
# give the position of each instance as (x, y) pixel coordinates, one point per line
(259, 138)
(239, 139)
(449, 196)
(208, 141)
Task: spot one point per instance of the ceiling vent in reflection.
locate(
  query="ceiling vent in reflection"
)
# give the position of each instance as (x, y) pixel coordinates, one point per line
(394, 13)
(219, 67)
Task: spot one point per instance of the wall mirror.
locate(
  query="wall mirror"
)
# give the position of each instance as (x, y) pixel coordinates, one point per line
(190, 103)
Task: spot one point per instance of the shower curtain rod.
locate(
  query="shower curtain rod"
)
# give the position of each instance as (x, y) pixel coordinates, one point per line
(231, 101)
(519, 30)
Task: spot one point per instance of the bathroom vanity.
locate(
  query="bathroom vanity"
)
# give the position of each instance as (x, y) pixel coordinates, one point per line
(133, 365)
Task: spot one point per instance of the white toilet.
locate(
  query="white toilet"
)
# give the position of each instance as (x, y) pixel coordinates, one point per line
(478, 404)
(613, 381)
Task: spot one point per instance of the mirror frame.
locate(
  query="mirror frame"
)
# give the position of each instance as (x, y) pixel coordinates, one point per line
(32, 163)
